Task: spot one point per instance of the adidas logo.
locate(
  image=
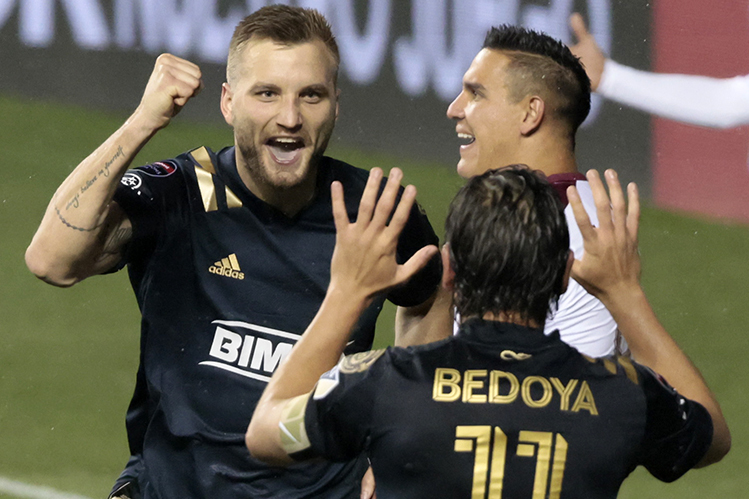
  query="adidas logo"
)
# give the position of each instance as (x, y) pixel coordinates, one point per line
(228, 267)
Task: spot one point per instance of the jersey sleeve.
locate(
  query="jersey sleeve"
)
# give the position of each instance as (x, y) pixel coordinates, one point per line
(153, 197)
(678, 431)
(338, 413)
(417, 233)
(699, 100)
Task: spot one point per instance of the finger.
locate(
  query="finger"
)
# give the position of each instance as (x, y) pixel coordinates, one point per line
(387, 198)
(578, 26)
(368, 485)
(414, 264)
(340, 214)
(402, 211)
(369, 196)
(633, 214)
(618, 203)
(180, 64)
(581, 216)
(601, 200)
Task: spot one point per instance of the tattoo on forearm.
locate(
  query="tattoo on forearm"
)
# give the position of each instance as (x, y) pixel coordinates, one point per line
(114, 243)
(68, 224)
(104, 172)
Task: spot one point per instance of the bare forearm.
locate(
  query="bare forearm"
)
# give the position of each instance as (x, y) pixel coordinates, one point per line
(75, 229)
(316, 352)
(320, 347)
(652, 346)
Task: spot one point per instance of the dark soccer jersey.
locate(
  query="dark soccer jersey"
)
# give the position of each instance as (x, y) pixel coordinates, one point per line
(501, 410)
(226, 285)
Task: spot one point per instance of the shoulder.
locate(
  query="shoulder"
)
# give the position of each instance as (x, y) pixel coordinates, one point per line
(345, 173)
(616, 366)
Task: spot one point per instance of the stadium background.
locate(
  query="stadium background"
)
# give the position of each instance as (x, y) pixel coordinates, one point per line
(71, 70)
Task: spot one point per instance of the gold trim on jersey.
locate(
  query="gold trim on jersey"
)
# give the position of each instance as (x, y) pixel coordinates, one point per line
(207, 190)
(361, 361)
(204, 159)
(232, 200)
(205, 182)
(291, 427)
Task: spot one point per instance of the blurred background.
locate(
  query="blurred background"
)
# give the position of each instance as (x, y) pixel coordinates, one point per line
(72, 70)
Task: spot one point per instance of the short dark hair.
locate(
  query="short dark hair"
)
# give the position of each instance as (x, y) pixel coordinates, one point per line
(542, 65)
(283, 24)
(508, 244)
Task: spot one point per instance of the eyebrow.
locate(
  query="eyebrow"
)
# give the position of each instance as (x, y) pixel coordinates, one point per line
(317, 87)
(473, 86)
(265, 86)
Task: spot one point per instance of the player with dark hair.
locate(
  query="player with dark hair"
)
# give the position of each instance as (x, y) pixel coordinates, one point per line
(523, 99)
(228, 254)
(500, 409)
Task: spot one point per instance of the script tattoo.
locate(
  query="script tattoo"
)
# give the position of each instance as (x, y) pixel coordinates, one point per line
(103, 172)
(75, 200)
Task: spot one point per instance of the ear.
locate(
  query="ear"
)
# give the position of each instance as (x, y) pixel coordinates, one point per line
(448, 274)
(534, 115)
(568, 271)
(227, 102)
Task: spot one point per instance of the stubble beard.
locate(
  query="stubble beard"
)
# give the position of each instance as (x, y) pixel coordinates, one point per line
(261, 173)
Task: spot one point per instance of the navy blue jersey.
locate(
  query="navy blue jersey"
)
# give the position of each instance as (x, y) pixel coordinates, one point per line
(501, 410)
(226, 284)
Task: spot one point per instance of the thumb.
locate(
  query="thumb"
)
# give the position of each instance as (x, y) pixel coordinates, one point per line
(417, 262)
(578, 26)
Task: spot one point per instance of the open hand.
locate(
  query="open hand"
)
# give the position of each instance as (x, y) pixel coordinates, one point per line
(610, 266)
(587, 50)
(364, 261)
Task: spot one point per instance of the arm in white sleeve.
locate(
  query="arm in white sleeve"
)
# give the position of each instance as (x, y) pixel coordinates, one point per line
(698, 100)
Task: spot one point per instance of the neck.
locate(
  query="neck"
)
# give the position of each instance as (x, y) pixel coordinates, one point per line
(511, 318)
(289, 200)
(550, 155)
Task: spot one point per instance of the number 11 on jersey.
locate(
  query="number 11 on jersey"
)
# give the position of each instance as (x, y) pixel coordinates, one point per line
(491, 451)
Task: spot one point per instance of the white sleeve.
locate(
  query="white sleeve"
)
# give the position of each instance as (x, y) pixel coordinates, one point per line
(582, 320)
(698, 100)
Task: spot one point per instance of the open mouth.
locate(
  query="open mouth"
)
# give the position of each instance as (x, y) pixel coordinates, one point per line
(466, 139)
(285, 150)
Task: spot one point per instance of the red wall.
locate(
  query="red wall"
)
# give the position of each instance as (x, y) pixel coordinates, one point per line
(698, 169)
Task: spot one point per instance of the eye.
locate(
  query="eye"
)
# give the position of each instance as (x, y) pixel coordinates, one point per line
(312, 96)
(265, 94)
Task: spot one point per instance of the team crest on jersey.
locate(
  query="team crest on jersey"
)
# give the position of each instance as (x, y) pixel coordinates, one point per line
(361, 361)
(159, 168)
(131, 180)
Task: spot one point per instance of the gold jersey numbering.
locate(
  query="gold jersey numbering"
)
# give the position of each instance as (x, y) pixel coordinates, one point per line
(490, 446)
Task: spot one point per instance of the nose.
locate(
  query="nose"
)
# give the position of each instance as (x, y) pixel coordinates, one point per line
(289, 114)
(455, 109)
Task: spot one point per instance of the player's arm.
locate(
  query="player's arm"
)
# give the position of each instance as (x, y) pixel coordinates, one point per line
(698, 100)
(363, 265)
(610, 270)
(83, 230)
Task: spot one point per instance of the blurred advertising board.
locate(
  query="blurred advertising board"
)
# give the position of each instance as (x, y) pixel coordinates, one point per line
(402, 62)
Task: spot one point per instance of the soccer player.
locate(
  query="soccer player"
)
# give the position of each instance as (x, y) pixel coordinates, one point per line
(500, 408)
(228, 253)
(524, 97)
(693, 99)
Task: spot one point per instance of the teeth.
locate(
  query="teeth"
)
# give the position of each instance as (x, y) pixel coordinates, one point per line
(286, 140)
(466, 138)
